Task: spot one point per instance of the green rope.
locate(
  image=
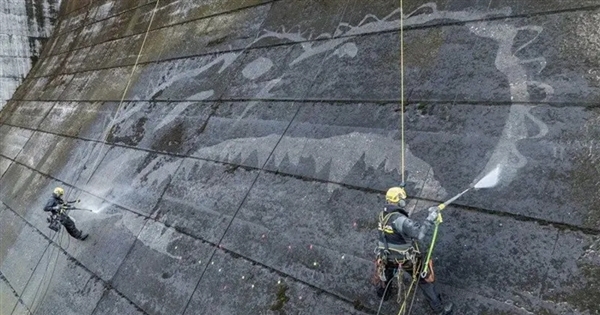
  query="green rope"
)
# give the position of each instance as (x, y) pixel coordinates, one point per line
(433, 239)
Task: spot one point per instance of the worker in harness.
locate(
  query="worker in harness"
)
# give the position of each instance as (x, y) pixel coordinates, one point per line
(58, 207)
(399, 248)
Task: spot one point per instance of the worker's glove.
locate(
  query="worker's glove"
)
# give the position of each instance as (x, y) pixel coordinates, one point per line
(64, 208)
(433, 214)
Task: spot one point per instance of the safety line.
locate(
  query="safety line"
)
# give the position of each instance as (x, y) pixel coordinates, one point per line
(402, 90)
(137, 60)
(107, 130)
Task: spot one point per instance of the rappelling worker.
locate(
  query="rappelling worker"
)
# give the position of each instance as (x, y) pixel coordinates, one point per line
(58, 207)
(399, 248)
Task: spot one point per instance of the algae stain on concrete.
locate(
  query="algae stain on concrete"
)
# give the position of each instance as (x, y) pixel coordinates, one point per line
(425, 50)
(581, 40)
(172, 140)
(588, 296)
(281, 298)
(586, 171)
(132, 137)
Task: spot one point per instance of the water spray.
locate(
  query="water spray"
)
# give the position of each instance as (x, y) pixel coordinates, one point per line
(488, 181)
(80, 209)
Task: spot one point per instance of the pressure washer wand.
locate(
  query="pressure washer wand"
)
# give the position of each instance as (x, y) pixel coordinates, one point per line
(439, 220)
(488, 181)
(451, 200)
(78, 209)
(81, 209)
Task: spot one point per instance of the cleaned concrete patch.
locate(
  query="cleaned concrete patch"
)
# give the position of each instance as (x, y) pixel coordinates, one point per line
(133, 179)
(203, 198)
(112, 232)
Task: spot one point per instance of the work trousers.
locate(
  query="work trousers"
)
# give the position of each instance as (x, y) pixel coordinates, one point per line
(69, 226)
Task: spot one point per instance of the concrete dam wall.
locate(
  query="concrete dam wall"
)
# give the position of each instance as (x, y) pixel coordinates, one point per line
(232, 156)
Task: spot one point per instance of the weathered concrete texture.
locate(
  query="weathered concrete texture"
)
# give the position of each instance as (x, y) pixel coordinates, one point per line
(257, 290)
(162, 269)
(112, 303)
(22, 249)
(82, 120)
(62, 286)
(244, 169)
(28, 114)
(318, 250)
(9, 297)
(26, 26)
(13, 140)
(4, 164)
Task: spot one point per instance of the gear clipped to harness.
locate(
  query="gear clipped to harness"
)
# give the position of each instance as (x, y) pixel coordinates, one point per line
(54, 223)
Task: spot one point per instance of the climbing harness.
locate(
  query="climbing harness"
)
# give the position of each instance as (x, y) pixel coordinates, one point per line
(400, 257)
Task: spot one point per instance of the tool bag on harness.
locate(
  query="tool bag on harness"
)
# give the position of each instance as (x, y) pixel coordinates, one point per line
(54, 223)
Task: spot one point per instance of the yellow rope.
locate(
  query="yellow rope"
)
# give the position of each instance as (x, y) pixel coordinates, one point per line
(412, 288)
(137, 60)
(402, 89)
(114, 118)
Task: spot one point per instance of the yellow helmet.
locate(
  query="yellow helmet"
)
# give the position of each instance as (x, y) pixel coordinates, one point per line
(59, 191)
(395, 194)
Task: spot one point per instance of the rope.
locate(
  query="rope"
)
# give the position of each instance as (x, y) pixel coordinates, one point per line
(36, 303)
(403, 310)
(433, 239)
(114, 118)
(402, 91)
(137, 60)
(412, 301)
(383, 297)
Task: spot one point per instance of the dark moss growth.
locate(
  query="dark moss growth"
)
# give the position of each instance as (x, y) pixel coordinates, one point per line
(358, 305)
(281, 298)
(588, 296)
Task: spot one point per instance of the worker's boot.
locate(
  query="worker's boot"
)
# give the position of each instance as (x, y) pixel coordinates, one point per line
(83, 236)
(447, 309)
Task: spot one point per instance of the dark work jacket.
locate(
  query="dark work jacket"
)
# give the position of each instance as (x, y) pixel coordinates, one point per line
(53, 202)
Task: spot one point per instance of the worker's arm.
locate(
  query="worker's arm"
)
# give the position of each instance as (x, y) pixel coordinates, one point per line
(53, 205)
(414, 229)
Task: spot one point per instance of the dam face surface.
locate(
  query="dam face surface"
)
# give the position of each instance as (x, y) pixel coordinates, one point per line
(231, 157)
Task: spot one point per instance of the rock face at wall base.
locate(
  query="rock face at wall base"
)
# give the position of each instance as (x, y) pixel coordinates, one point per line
(231, 156)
